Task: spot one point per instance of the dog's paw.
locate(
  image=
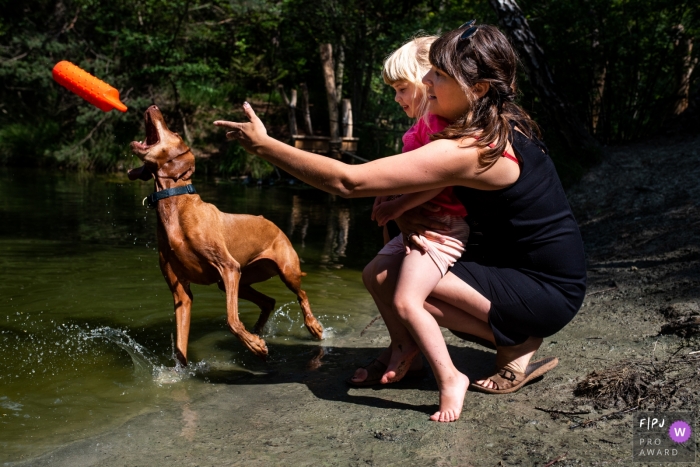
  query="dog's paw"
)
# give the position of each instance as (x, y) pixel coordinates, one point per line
(257, 346)
(315, 328)
(181, 358)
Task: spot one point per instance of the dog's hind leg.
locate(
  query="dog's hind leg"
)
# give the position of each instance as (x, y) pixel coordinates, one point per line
(291, 274)
(266, 304)
(230, 277)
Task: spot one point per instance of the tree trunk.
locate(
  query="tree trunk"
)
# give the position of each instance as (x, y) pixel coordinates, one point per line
(599, 72)
(331, 92)
(305, 109)
(685, 65)
(291, 109)
(560, 111)
(346, 112)
(339, 71)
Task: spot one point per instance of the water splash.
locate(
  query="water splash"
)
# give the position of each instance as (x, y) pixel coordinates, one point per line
(163, 375)
(144, 360)
(285, 320)
(146, 364)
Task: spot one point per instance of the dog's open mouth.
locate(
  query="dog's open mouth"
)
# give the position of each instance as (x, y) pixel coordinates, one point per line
(152, 137)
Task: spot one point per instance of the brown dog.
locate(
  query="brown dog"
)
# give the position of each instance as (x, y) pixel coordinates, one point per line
(199, 244)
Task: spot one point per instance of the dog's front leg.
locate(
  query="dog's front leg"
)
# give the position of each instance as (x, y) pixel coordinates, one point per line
(231, 277)
(182, 299)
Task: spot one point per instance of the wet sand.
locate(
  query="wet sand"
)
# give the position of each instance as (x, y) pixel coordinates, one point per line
(640, 217)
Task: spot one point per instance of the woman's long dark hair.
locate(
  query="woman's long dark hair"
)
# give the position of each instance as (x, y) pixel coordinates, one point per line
(485, 56)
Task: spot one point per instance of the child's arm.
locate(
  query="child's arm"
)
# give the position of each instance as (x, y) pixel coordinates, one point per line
(390, 210)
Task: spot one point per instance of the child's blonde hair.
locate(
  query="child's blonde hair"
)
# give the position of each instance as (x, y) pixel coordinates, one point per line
(410, 62)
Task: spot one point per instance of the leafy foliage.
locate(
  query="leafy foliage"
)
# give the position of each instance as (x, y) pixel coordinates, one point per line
(618, 61)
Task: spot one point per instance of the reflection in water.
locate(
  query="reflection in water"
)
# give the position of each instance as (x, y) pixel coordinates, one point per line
(189, 417)
(336, 242)
(316, 361)
(298, 218)
(343, 230)
(189, 422)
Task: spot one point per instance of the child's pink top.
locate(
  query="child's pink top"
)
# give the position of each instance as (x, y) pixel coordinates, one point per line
(419, 135)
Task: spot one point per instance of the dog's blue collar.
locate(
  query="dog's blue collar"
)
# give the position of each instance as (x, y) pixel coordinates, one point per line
(153, 198)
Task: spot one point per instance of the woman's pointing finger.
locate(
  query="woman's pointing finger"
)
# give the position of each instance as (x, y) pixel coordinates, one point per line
(227, 124)
(249, 134)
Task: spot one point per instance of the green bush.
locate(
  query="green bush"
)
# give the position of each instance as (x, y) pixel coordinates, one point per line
(237, 161)
(28, 145)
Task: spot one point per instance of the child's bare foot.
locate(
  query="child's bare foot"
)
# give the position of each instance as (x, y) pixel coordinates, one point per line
(451, 398)
(516, 357)
(374, 372)
(361, 374)
(402, 356)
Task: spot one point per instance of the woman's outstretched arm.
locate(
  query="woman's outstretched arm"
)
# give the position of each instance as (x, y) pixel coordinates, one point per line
(438, 164)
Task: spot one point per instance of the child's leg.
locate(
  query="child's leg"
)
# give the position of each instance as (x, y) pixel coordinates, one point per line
(418, 276)
(380, 276)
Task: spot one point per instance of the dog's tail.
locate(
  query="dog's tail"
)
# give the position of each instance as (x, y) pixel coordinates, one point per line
(303, 274)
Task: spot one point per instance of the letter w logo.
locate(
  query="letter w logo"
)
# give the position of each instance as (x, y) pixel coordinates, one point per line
(680, 432)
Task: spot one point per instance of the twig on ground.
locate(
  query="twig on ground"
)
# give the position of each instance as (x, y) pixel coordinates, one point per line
(554, 461)
(370, 324)
(601, 291)
(562, 412)
(603, 418)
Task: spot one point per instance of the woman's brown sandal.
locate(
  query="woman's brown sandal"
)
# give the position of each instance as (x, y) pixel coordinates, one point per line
(508, 380)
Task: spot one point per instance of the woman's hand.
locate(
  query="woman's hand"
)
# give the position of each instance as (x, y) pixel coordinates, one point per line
(413, 222)
(251, 135)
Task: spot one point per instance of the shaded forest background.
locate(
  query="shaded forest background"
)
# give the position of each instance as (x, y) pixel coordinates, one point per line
(626, 69)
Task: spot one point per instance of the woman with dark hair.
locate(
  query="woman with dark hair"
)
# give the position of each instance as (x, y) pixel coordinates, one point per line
(522, 276)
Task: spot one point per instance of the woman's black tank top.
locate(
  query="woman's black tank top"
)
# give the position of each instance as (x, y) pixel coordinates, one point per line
(529, 225)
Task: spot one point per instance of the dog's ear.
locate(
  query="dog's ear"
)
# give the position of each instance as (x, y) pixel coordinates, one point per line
(140, 173)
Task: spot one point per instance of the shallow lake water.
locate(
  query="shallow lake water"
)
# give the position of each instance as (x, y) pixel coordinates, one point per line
(86, 319)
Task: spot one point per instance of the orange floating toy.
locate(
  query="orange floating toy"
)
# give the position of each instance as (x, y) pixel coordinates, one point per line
(94, 90)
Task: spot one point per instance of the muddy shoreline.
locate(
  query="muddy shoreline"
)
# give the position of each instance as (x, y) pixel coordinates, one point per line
(639, 212)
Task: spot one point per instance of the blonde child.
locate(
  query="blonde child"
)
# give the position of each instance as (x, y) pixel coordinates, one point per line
(422, 268)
